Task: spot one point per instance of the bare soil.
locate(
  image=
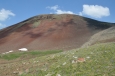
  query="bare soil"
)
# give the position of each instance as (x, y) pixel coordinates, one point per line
(53, 32)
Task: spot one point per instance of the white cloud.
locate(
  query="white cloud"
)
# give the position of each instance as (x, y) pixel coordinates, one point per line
(5, 14)
(95, 11)
(63, 12)
(57, 10)
(53, 7)
(80, 13)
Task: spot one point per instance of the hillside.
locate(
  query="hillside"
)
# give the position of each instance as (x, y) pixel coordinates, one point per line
(107, 35)
(96, 60)
(50, 32)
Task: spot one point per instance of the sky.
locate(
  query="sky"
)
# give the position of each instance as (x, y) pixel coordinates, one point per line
(15, 11)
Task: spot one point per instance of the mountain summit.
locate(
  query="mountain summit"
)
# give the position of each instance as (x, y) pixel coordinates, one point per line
(50, 32)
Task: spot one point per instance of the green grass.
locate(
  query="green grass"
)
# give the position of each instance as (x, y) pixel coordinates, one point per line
(100, 63)
(15, 55)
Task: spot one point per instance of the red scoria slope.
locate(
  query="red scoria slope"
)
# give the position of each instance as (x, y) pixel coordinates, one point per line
(50, 32)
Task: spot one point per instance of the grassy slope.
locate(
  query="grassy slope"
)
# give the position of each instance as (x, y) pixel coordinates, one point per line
(100, 61)
(31, 54)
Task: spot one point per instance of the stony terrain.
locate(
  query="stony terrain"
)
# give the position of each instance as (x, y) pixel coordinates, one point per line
(50, 32)
(107, 35)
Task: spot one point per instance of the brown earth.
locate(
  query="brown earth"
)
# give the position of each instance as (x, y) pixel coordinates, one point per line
(50, 32)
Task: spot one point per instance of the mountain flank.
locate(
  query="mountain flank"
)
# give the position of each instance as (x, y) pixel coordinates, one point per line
(52, 32)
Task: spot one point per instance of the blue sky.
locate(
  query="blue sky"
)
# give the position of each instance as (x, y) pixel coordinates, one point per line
(14, 11)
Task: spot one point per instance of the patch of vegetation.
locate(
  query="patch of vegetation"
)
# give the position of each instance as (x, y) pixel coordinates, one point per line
(36, 24)
(15, 55)
(11, 56)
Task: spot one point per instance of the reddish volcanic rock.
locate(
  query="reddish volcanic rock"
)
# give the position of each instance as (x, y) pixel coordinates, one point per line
(50, 32)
